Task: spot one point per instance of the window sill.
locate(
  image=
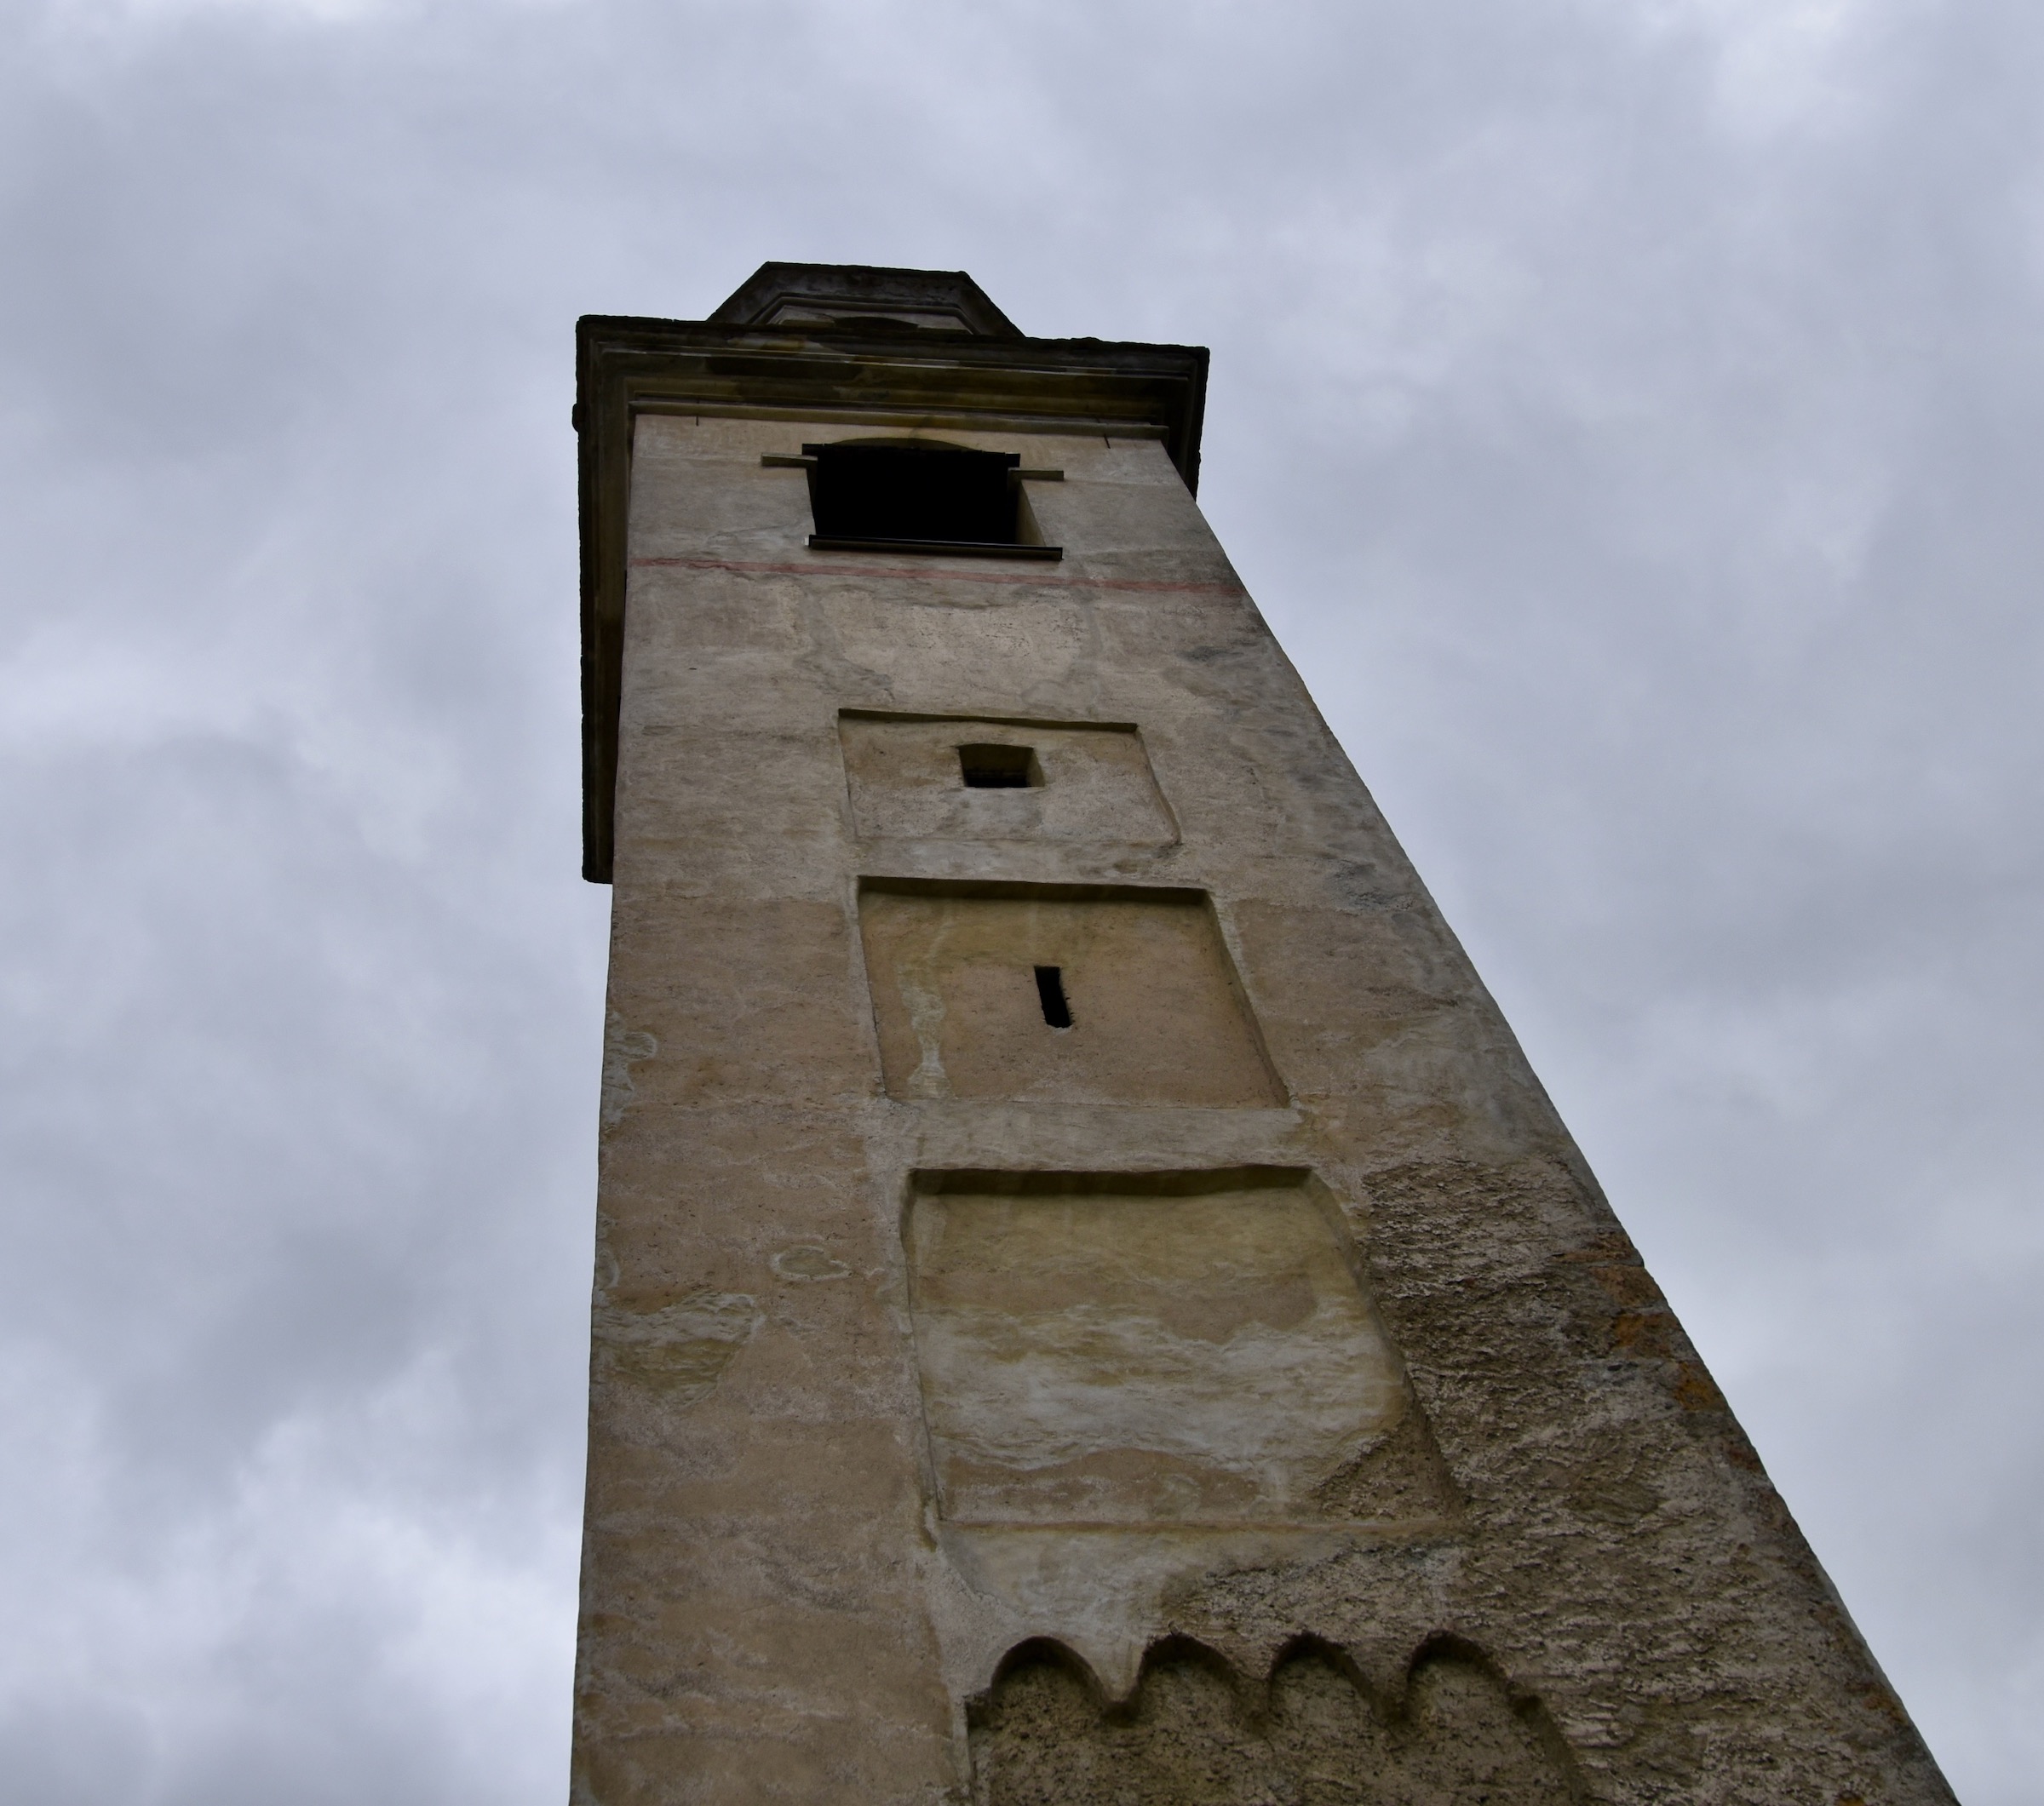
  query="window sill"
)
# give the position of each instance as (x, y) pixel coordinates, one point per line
(939, 548)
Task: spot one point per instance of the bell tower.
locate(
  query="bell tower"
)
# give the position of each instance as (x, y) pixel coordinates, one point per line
(1092, 1305)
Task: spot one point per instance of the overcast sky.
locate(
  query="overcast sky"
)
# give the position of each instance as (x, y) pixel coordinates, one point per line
(1630, 413)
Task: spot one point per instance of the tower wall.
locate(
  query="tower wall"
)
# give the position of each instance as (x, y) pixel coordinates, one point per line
(1240, 1391)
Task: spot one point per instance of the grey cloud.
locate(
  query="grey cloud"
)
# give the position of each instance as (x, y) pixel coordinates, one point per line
(1630, 417)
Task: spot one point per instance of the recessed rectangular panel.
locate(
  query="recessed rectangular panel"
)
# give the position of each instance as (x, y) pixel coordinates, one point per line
(916, 777)
(1055, 995)
(1173, 1349)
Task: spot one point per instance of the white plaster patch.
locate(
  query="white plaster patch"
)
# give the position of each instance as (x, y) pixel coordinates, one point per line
(1131, 1358)
(806, 1263)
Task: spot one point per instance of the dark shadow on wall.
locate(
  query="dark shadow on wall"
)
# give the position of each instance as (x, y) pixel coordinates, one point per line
(1195, 1733)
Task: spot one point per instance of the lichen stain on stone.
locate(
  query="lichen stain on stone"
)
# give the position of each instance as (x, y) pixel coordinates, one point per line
(1630, 1288)
(677, 1348)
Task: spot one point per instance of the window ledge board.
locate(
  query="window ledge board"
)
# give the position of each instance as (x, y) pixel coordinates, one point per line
(939, 548)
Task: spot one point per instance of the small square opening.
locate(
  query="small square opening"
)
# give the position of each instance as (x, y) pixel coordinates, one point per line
(987, 767)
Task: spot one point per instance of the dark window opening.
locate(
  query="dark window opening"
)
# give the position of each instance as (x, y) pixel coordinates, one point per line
(999, 767)
(1050, 993)
(871, 495)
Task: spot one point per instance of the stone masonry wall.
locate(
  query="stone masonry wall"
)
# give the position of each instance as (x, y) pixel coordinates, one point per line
(1242, 1394)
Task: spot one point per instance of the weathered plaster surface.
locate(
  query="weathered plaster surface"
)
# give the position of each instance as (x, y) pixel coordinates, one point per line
(1137, 1357)
(1091, 784)
(948, 1443)
(1157, 1013)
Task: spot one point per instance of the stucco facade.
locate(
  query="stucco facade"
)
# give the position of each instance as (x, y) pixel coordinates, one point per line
(1239, 1392)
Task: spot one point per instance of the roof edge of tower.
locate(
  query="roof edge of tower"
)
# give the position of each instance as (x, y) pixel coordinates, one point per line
(857, 294)
(818, 340)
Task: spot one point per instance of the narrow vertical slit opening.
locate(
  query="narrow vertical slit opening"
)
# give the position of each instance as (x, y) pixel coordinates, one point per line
(1050, 992)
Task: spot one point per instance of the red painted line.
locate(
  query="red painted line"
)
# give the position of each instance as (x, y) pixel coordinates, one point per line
(946, 576)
